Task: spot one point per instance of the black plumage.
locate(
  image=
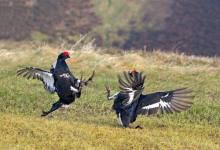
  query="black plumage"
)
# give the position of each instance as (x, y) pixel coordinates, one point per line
(59, 79)
(130, 102)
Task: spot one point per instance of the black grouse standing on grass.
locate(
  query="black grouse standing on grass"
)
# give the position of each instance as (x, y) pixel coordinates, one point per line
(59, 79)
(130, 102)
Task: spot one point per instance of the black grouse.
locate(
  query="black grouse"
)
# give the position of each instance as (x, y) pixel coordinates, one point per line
(130, 102)
(59, 79)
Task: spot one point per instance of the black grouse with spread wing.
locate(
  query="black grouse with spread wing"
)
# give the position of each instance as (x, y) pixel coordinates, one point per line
(130, 102)
(59, 79)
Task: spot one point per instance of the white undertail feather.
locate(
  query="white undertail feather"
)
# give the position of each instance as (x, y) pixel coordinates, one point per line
(65, 106)
(113, 97)
(77, 83)
(131, 97)
(119, 119)
(74, 89)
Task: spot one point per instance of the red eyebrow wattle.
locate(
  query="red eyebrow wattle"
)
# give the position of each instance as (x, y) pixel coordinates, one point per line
(66, 53)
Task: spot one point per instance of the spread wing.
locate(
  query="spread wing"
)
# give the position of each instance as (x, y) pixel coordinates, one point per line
(132, 86)
(42, 75)
(166, 102)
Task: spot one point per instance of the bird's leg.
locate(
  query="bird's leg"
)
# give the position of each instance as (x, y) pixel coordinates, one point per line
(78, 94)
(54, 107)
(85, 82)
(108, 92)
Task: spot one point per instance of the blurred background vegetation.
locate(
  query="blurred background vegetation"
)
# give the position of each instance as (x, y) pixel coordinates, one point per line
(191, 27)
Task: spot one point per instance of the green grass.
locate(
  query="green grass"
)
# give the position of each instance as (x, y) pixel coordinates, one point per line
(90, 123)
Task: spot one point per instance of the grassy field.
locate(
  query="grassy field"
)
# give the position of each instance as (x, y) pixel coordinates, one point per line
(90, 123)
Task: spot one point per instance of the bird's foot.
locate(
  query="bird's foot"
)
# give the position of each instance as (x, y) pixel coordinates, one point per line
(44, 113)
(138, 127)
